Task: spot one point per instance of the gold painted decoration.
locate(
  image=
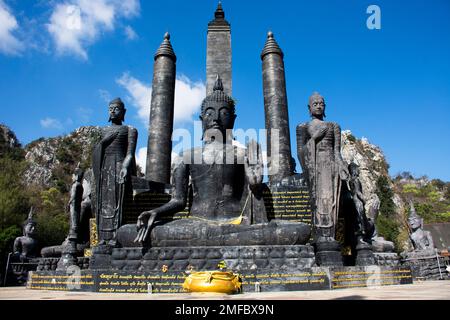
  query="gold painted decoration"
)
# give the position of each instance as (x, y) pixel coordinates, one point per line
(213, 281)
(93, 235)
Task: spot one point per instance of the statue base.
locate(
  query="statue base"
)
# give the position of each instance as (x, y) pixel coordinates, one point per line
(364, 255)
(259, 280)
(386, 259)
(328, 253)
(426, 266)
(101, 257)
(51, 264)
(236, 258)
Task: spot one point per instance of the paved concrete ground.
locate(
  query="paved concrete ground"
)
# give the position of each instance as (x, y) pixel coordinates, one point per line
(426, 290)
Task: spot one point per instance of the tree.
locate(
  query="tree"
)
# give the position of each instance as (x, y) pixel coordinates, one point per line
(387, 224)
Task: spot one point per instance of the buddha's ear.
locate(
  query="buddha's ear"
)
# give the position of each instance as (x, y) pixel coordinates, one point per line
(123, 115)
(200, 117)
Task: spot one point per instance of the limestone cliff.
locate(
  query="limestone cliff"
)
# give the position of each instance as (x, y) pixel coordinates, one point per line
(52, 160)
(8, 140)
(373, 165)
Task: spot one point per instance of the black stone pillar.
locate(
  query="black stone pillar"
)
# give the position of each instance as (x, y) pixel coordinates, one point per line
(276, 111)
(159, 148)
(218, 52)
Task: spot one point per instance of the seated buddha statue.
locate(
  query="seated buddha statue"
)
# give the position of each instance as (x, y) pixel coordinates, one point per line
(226, 208)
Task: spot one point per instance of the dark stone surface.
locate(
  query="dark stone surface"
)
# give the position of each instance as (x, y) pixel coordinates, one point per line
(428, 268)
(51, 264)
(364, 255)
(113, 164)
(159, 147)
(369, 276)
(237, 258)
(421, 239)
(218, 52)
(386, 259)
(318, 149)
(264, 280)
(289, 200)
(25, 247)
(17, 272)
(328, 253)
(281, 164)
(227, 206)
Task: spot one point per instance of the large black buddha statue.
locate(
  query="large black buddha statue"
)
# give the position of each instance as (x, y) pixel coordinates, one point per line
(226, 207)
(113, 164)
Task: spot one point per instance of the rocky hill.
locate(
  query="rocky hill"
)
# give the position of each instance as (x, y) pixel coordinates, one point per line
(376, 182)
(51, 161)
(8, 141)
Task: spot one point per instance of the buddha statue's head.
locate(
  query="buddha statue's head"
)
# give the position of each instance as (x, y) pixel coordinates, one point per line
(316, 106)
(116, 111)
(29, 227)
(353, 169)
(217, 114)
(415, 222)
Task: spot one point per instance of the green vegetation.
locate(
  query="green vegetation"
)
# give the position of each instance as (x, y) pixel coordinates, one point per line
(387, 223)
(431, 198)
(13, 201)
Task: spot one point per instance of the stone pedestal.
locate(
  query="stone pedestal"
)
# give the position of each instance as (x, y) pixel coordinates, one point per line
(364, 255)
(68, 257)
(101, 257)
(236, 258)
(260, 280)
(431, 267)
(386, 259)
(328, 253)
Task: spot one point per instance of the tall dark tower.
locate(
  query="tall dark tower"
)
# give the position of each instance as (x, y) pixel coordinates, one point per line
(159, 148)
(218, 52)
(276, 110)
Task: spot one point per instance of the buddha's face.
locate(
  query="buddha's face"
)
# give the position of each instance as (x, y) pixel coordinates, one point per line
(354, 171)
(29, 229)
(317, 107)
(415, 223)
(116, 112)
(217, 116)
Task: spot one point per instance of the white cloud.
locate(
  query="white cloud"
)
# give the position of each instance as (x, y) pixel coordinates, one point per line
(76, 24)
(9, 44)
(188, 96)
(50, 123)
(130, 33)
(140, 94)
(105, 95)
(141, 158)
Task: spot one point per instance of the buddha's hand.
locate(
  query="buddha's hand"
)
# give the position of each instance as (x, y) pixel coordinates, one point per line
(123, 175)
(254, 163)
(319, 133)
(343, 172)
(144, 224)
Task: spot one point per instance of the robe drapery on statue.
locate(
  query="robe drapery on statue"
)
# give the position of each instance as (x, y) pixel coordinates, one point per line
(118, 142)
(321, 161)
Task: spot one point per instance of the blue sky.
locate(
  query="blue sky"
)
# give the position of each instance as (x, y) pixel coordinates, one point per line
(391, 85)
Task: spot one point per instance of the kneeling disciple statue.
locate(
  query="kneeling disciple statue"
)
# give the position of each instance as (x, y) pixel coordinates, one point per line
(319, 153)
(227, 207)
(113, 164)
(421, 239)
